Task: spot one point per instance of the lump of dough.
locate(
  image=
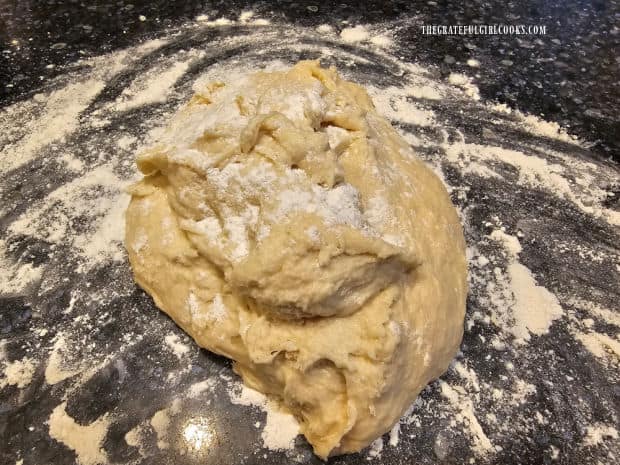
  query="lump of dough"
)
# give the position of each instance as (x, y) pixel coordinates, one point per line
(285, 224)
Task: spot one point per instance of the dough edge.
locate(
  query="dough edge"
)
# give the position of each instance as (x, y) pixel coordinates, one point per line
(353, 397)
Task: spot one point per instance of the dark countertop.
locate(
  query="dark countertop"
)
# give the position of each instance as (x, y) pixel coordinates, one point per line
(569, 76)
(554, 399)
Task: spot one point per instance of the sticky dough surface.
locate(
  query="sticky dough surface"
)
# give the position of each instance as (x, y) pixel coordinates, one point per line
(283, 223)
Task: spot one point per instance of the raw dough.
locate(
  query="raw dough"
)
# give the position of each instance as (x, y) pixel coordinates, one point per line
(285, 224)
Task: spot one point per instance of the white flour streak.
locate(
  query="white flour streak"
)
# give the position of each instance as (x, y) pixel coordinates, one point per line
(375, 449)
(600, 345)
(533, 171)
(18, 373)
(85, 440)
(465, 83)
(53, 219)
(546, 128)
(179, 349)
(534, 308)
(155, 88)
(596, 434)
(466, 415)
(395, 434)
(280, 427)
(49, 118)
(245, 16)
(400, 108)
(58, 119)
(597, 311)
(57, 368)
(160, 422)
(198, 388)
(354, 34)
(16, 276)
(382, 40)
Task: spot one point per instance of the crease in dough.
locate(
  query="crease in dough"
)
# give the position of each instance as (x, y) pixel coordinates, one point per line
(285, 224)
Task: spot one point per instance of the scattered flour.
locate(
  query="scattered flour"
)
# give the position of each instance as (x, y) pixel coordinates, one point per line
(18, 373)
(56, 369)
(53, 117)
(548, 129)
(466, 415)
(382, 40)
(596, 434)
(72, 163)
(533, 171)
(97, 195)
(198, 433)
(85, 440)
(280, 429)
(16, 276)
(134, 438)
(354, 34)
(126, 142)
(467, 374)
(154, 88)
(50, 117)
(401, 108)
(600, 345)
(198, 388)
(324, 29)
(58, 118)
(375, 449)
(160, 422)
(426, 91)
(534, 308)
(465, 83)
(179, 349)
(521, 391)
(245, 16)
(394, 434)
(219, 22)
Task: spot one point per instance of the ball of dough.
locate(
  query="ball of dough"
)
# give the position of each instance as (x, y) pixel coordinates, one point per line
(285, 224)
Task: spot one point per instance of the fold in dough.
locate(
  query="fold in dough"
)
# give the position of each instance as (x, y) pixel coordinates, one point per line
(283, 223)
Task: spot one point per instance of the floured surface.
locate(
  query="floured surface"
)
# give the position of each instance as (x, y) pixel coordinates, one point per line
(527, 387)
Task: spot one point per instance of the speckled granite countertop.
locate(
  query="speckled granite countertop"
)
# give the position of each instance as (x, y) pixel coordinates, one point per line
(570, 76)
(91, 372)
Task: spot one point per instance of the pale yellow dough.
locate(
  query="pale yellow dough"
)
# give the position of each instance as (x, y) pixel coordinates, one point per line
(285, 224)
